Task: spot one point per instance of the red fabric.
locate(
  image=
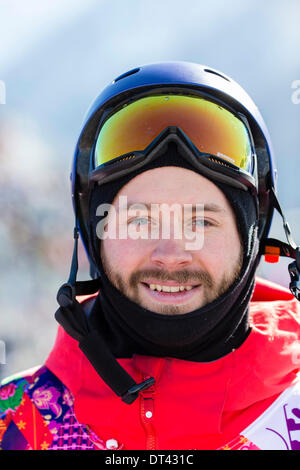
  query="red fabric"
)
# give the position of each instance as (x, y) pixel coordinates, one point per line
(269, 291)
(32, 425)
(193, 405)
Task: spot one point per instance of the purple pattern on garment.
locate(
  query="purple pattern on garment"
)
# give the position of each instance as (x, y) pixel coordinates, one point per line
(55, 403)
(7, 391)
(46, 398)
(293, 427)
(71, 435)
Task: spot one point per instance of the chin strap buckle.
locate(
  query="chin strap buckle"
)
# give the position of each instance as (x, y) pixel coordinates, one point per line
(66, 295)
(131, 395)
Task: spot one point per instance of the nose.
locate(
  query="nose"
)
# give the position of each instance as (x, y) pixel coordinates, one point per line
(170, 254)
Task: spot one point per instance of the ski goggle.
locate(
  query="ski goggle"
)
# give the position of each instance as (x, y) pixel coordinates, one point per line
(211, 128)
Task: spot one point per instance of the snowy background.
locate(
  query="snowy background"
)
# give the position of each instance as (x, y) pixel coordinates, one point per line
(55, 57)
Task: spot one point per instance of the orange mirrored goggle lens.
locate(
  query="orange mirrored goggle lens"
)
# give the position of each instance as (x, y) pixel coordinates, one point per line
(212, 128)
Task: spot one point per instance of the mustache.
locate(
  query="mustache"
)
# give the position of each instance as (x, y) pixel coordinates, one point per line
(182, 277)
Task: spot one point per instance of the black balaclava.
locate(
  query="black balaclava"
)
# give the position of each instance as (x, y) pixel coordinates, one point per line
(202, 335)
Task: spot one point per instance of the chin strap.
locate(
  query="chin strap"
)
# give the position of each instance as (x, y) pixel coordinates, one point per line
(273, 249)
(74, 320)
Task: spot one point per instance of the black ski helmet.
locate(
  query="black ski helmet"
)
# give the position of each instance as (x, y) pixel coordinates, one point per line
(187, 77)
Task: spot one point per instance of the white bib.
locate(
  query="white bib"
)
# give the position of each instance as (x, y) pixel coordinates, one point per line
(278, 428)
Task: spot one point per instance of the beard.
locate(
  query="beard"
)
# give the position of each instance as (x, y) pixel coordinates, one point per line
(211, 289)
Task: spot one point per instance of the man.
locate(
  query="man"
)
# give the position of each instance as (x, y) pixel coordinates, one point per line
(175, 344)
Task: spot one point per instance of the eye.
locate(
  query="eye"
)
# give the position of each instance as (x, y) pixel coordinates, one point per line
(139, 221)
(200, 222)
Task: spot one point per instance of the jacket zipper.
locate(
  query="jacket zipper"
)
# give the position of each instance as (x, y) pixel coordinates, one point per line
(147, 416)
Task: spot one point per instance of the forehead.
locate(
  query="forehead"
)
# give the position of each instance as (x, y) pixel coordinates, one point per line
(172, 184)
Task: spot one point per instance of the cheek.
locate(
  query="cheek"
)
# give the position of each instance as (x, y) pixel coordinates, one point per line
(220, 253)
(124, 256)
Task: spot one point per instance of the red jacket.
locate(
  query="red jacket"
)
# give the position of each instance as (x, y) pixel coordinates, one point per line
(191, 406)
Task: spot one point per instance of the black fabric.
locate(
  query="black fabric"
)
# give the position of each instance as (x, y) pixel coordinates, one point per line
(76, 323)
(100, 356)
(205, 334)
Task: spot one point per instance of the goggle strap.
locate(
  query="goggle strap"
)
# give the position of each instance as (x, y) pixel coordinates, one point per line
(272, 246)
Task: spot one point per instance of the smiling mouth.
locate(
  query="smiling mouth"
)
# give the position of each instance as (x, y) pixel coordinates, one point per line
(170, 289)
(170, 292)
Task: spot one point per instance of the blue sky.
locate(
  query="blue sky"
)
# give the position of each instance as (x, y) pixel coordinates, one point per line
(23, 23)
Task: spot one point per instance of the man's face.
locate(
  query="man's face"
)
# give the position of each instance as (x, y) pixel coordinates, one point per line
(144, 269)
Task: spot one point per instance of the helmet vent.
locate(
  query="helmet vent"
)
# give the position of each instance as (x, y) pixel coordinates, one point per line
(131, 72)
(216, 73)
